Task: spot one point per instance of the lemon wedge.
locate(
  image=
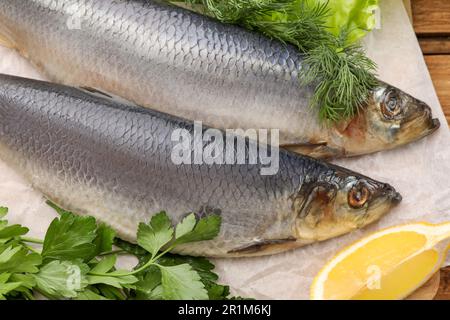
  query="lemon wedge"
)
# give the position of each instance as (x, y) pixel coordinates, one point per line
(388, 264)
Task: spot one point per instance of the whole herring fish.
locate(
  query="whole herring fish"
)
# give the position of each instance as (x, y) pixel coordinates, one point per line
(173, 60)
(113, 160)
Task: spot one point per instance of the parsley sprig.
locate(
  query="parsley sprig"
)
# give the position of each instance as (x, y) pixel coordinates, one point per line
(78, 257)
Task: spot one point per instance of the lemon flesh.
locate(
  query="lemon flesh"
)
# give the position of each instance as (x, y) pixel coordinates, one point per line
(389, 264)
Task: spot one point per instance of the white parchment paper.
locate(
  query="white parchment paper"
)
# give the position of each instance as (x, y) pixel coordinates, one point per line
(420, 172)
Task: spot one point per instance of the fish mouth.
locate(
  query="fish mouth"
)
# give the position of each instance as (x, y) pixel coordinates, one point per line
(383, 200)
(418, 125)
(429, 126)
(394, 196)
(435, 124)
(423, 114)
(388, 192)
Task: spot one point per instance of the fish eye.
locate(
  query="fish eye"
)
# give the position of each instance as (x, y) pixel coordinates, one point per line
(358, 196)
(391, 106)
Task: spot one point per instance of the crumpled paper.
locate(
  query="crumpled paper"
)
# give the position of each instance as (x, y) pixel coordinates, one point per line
(419, 171)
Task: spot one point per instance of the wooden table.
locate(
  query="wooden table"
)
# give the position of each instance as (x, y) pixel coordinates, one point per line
(431, 20)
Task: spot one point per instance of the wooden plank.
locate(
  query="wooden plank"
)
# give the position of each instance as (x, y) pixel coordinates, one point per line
(438, 45)
(431, 17)
(439, 66)
(431, 20)
(444, 287)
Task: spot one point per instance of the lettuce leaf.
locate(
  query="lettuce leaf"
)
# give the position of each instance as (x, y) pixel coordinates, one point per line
(356, 16)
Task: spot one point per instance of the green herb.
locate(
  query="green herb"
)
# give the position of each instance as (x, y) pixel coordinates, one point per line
(358, 16)
(343, 77)
(62, 279)
(334, 64)
(70, 237)
(78, 260)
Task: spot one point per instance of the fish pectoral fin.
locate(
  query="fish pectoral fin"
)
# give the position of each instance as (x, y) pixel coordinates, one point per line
(316, 150)
(265, 247)
(96, 92)
(106, 95)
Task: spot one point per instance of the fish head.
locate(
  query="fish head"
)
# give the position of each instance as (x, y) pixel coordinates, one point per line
(340, 202)
(391, 118)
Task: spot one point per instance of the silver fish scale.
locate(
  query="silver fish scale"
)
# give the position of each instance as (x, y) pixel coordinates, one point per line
(168, 59)
(100, 157)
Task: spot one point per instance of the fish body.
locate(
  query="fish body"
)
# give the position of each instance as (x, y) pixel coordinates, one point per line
(113, 160)
(176, 61)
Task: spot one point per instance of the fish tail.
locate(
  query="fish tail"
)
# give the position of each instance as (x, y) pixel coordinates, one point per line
(6, 39)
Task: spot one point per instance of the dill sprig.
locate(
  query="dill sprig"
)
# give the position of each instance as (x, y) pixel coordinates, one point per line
(341, 72)
(290, 21)
(343, 76)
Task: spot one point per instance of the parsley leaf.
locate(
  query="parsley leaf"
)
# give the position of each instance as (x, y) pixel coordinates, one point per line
(104, 239)
(205, 229)
(12, 231)
(70, 237)
(88, 294)
(17, 259)
(105, 265)
(111, 293)
(100, 274)
(125, 281)
(152, 237)
(181, 282)
(185, 226)
(59, 211)
(5, 286)
(64, 279)
(149, 286)
(3, 212)
(78, 260)
(130, 248)
(204, 268)
(8, 232)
